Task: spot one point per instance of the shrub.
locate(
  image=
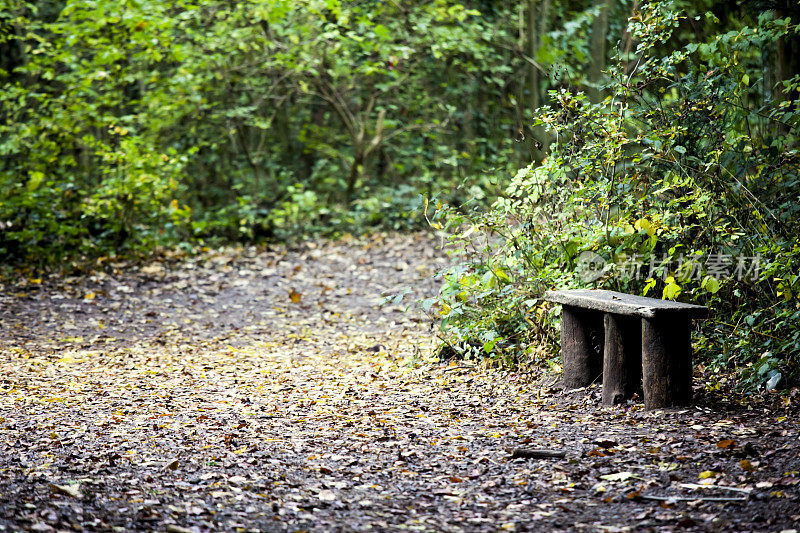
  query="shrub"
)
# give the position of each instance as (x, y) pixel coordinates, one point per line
(681, 184)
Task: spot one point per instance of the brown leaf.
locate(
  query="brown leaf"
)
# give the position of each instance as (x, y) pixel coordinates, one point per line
(726, 444)
(634, 494)
(746, 465)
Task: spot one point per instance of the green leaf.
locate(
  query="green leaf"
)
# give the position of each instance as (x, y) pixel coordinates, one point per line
(711, 284)
(382, 31)
(35, 180)
(488, 346)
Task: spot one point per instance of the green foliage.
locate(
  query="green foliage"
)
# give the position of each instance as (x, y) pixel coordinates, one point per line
(683, 183)
(124, 125)
(82, 166)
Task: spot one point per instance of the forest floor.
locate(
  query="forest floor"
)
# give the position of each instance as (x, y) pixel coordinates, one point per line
(269, 390)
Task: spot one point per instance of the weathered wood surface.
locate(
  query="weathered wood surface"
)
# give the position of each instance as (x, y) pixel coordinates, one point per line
(622, 359)
(582, 363)
(667, 362)
(624, 304)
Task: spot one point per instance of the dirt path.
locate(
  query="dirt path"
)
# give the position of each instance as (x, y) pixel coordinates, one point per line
(268, 391)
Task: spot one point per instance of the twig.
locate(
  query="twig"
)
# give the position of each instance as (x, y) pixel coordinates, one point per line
(459, 367)
(693, 499)
(695, 486)
(536, 453)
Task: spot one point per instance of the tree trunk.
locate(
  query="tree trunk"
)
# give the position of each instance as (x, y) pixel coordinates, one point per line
(787, 55)
(355, 173)
(540, 137)
(598, 47)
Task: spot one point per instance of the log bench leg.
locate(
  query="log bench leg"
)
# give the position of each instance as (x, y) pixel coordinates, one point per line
(582, 363)
(667, 361)
(622, 358)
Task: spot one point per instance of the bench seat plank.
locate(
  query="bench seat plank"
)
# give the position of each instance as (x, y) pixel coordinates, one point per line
(624, 304)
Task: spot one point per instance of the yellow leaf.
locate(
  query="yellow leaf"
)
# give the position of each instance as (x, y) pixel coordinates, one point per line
(295, 296)
(671, 290)
(619, 476)
(746, 465)
(707, 474)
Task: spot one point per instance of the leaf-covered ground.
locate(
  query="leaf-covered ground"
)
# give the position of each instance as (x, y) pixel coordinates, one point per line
(252, 390)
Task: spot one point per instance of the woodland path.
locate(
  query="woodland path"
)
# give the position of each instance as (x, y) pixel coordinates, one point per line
(268, 390)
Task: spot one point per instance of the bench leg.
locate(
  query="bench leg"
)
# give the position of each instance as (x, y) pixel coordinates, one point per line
(667, 361)
(582, 363)
(622, 358)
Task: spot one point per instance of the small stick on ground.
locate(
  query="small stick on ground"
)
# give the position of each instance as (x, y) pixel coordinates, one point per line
(692, 498)
(536, 453)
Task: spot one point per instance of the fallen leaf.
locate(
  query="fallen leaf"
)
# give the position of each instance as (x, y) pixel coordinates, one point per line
(619, 476)
(605, 443)
(726, 444)
(746, 465)
(73, 491)
(326, 495)
(295, 296)
(172, 528)
(634, 494)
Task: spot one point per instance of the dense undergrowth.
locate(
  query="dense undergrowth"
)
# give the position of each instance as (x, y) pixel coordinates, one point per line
(130, 125)
(683, 183)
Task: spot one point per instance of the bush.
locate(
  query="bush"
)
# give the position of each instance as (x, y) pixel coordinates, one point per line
(681, 184)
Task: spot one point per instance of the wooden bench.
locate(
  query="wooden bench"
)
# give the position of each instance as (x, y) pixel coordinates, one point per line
(644, 341)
